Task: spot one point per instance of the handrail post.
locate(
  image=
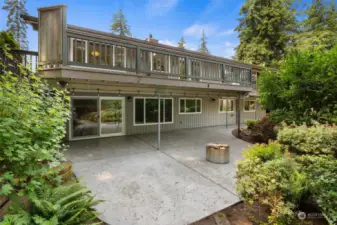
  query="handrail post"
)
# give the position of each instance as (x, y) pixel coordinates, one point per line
(138, 57)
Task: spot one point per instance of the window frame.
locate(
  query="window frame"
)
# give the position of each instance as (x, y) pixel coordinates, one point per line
(234, 105)
(249, 100)
(190, 113)
(71, 50)
(145, 124)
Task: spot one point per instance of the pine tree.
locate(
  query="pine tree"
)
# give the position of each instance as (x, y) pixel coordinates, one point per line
(15, 23)
(265, 29)
(319, 29)
(181, 43)
(120, 24)
(203, 44)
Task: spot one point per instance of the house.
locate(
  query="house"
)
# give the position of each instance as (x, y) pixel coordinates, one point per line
(122, 86)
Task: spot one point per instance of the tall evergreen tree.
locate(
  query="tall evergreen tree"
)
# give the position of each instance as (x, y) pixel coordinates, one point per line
(319, 29)
(181, 43)
(265, 29)
(15, 23)
(120, 24)
(203, 44)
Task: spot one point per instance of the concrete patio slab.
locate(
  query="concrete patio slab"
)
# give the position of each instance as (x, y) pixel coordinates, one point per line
(173, 186)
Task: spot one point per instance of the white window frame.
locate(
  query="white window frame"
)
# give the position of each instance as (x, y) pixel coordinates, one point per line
(249, 100)
(71, 53)
(190, 113)
(234, 105)
(145, 124)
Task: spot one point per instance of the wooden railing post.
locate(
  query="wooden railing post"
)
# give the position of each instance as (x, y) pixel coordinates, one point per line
(186, 67)
(138, 58)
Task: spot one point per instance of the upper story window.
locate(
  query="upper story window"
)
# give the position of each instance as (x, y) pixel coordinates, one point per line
(146, 110)
(190, 106)
(195, 68)
(177, 65)
(160, 62)
(249, 106)
(96, 53)
(226, 105)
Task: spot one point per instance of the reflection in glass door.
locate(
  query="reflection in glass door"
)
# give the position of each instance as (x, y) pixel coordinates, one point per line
(112, 116)
(85, 118)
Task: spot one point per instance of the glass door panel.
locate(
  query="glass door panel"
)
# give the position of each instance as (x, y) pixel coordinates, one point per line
(111, 116)
(85, 118)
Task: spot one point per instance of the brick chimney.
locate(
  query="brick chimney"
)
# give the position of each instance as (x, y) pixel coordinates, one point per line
(152, 40)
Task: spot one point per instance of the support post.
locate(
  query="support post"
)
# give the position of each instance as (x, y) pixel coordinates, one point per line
(238, 113)
(226, 114)
(158, 121)
(138, 60)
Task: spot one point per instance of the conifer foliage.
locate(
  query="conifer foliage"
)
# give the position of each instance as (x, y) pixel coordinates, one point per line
(203, 44)
(265, 29)
(120, 24)
(15, 23)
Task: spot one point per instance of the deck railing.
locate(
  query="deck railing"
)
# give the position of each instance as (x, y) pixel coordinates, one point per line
(104, 53)
(28, 59)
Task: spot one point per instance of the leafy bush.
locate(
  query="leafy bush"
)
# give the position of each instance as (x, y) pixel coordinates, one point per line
(68, 204)
(250, 123)
(276, 183)
(264, 130)
(264, 152)
(321, 172)
(32, 126)
(319, 139)
(305, 87)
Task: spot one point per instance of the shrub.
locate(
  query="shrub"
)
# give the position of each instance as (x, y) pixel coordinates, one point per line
(67, 204)
(264, 152)
(319, 139)
(250, 123)
(32, 126)
(264, 130)
(276, 183)
(305, 83)
(321, 172)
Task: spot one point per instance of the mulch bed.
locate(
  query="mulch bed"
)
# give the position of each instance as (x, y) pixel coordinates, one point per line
(243, 214)
(243, 136)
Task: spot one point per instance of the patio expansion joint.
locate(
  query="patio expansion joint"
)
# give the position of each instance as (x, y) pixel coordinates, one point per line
(191, 168)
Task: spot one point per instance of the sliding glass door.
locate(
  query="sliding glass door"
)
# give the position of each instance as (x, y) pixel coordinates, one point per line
(96, 117)
(112, 116)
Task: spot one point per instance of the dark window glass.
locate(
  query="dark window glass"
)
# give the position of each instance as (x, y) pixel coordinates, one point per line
(190, 106)
(139, 111)
(182, 105)
(78, 51)
(119, 56)
(96, 53)
(168, 110)
(91, 52)
(162, 113)
(108, 55)
(151, 111)
(103, 55)
(198, 108)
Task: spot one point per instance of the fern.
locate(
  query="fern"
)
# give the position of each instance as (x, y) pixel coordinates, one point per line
(70, 204)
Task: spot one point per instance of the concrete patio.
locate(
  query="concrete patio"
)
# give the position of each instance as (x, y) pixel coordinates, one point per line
(143, 186)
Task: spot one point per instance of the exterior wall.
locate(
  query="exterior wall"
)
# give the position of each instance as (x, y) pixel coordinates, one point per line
(210, 115)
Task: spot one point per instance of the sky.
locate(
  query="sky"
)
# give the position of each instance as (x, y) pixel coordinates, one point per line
(166, 20)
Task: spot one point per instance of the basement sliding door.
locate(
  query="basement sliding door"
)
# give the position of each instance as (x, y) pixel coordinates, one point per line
(97, 117)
